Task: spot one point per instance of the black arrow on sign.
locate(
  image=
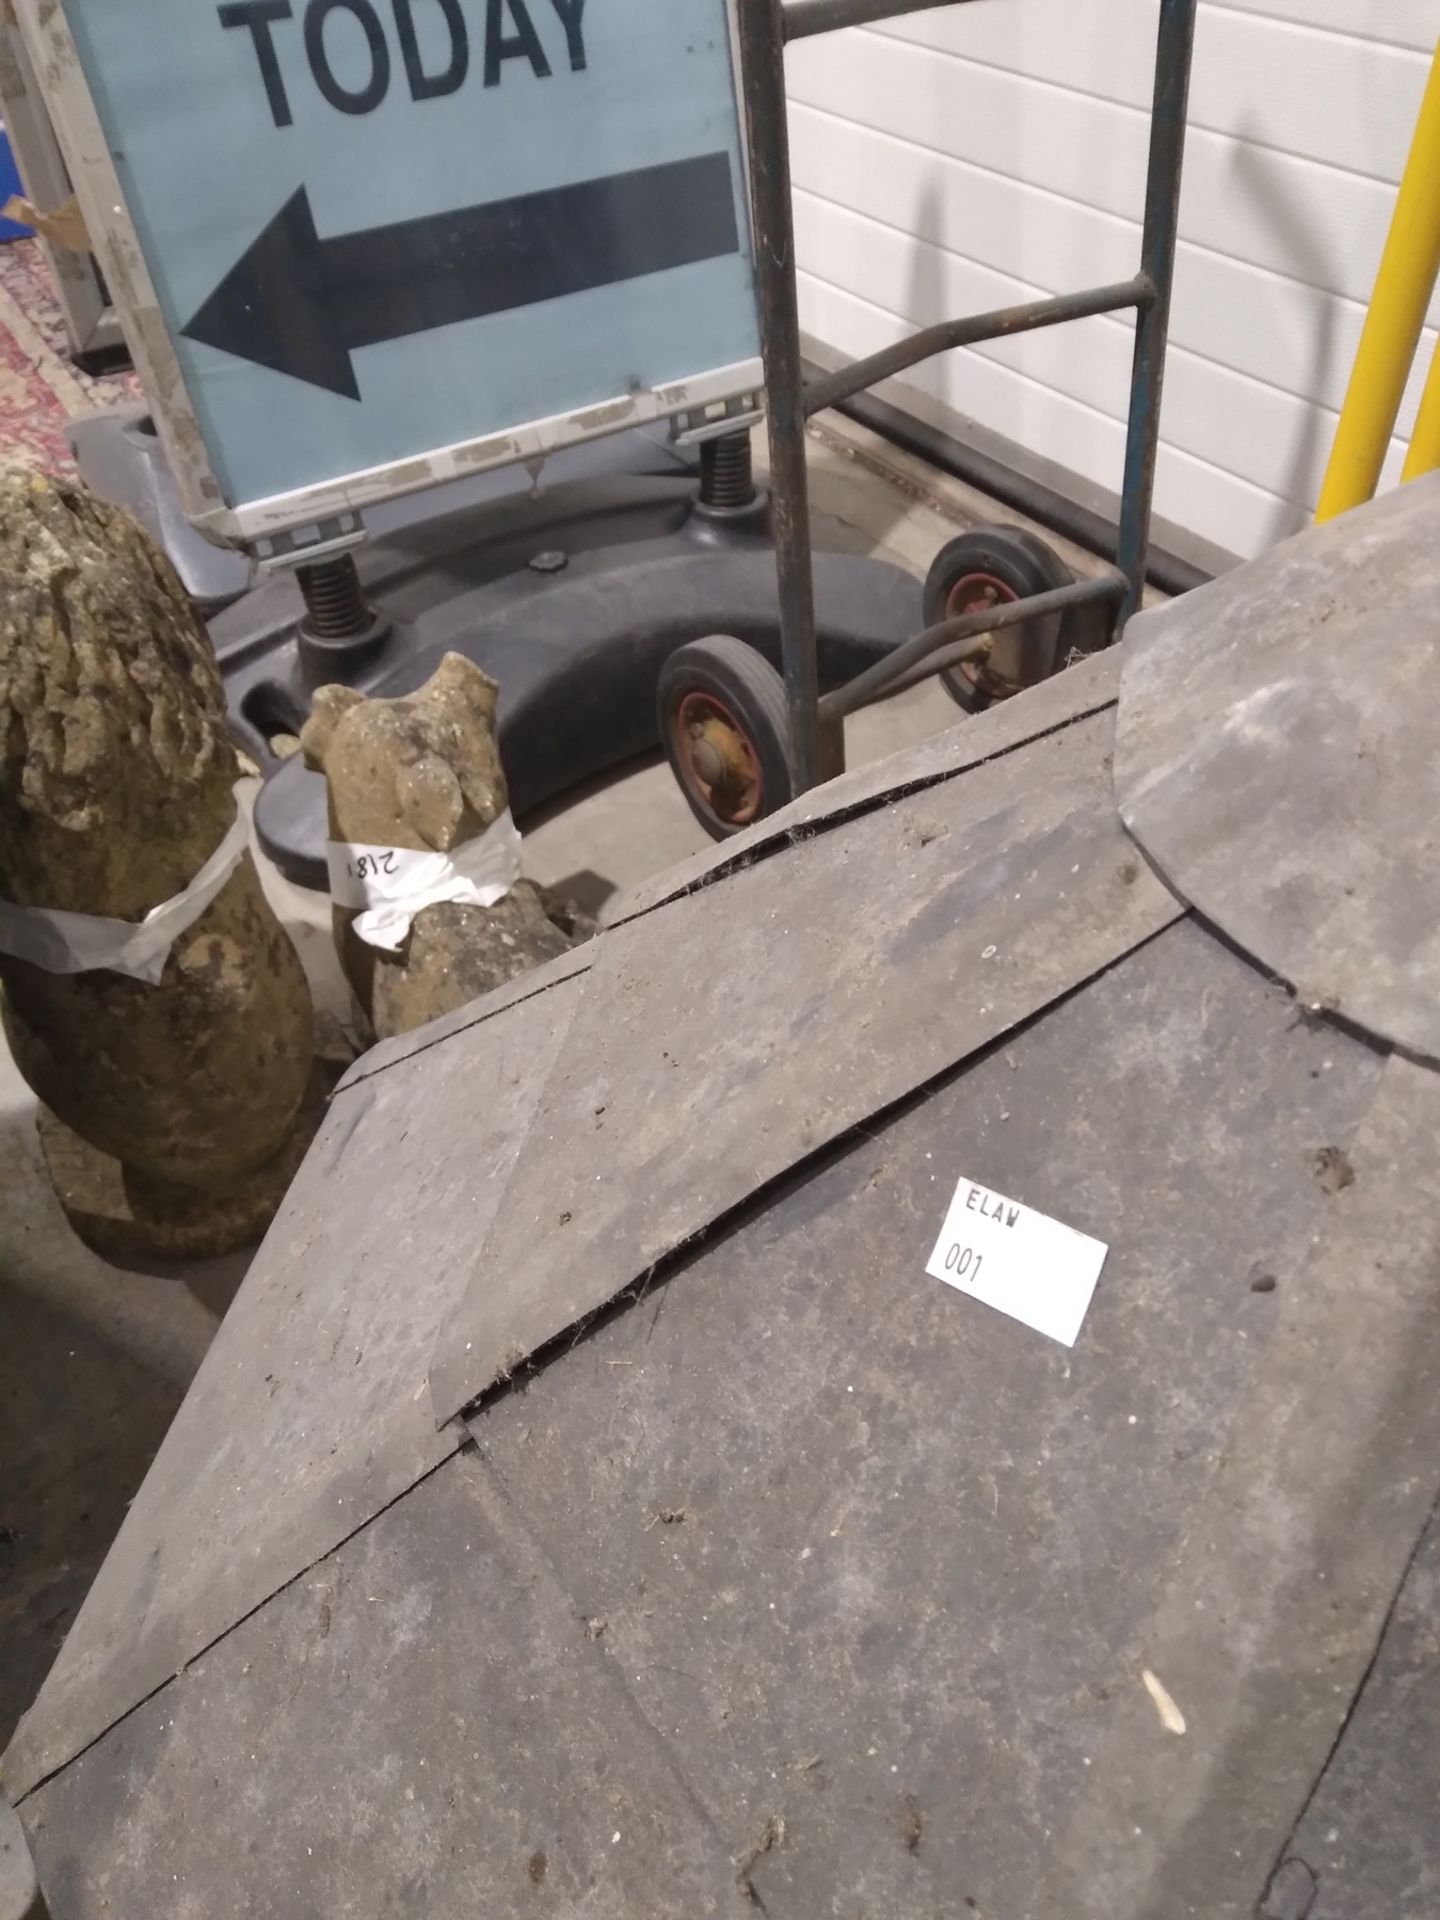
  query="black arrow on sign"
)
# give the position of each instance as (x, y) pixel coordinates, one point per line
(301, 305)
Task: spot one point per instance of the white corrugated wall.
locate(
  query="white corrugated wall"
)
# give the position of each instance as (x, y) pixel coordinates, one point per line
(987, 153)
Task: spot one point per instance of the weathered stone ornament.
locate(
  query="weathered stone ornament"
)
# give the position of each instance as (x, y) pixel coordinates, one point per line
(416, 776)
(172, 1114)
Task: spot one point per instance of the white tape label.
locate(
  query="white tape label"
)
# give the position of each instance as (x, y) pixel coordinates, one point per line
(61, 942)
(388, 886)
(1018, 1261)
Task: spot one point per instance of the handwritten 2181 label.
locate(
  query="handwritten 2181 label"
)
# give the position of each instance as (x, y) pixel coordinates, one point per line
(1017, 1260)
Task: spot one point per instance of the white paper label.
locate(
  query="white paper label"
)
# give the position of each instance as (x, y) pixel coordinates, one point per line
(1019, 1261)
(390, 885)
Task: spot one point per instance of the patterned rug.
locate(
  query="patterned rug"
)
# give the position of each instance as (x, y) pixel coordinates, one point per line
(40, 386)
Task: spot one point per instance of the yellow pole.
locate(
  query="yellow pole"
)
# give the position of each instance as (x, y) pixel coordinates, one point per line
(1424, 453)
(1403, 287)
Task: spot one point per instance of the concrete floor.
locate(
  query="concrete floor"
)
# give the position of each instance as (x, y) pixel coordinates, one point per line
(94, 1360)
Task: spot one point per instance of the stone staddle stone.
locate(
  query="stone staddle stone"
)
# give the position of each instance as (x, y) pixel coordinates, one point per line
(424, 772)
(116, 785)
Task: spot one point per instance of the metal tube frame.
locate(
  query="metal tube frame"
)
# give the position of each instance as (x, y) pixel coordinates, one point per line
(803, 17)
(1001, 324)
(1404, 285)
(764, 27)
(1173, 49)
(926, 648)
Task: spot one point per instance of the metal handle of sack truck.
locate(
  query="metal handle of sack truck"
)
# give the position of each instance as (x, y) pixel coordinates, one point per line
(801, 18)
(764, 26)
(937, 647)
(1001, 324)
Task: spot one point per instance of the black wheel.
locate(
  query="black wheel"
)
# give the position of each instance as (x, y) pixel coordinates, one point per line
(990, 567)
(722, 723)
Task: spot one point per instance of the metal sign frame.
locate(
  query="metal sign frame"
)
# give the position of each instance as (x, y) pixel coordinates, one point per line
(90, 320)
(708, 402)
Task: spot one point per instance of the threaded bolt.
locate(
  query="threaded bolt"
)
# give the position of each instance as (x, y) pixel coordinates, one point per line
(726, 472)
(335, 603)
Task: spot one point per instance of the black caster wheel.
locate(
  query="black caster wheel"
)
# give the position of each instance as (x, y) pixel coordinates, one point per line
(990, 567)
(722, 723)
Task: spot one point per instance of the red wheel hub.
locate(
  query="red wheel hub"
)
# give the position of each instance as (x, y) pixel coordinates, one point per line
(718, 758)
(974, 593)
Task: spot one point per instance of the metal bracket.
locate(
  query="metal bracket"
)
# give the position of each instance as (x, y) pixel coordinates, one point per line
(302, 546)
(720, 417)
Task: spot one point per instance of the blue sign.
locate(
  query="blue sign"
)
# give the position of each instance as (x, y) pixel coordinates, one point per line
(380, 227)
